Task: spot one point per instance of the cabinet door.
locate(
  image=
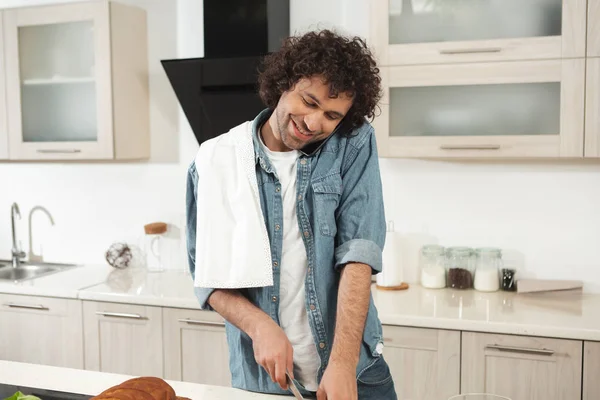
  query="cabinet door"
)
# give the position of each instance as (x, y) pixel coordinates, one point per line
(518, 109)
(425, 363)
(3, 122)
(440, 31)
(196, 347)
(41, 330)
(592, 108)
(58, 81)
(591, 366)
(123, 338)
(593, 42)
(520, 367)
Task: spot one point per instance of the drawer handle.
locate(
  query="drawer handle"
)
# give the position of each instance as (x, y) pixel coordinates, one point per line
(472, 51)
(196, 322)
(119, 315)
(471, 147)
(58, 151)
(387, 340)
(27, 306)
(528, 350)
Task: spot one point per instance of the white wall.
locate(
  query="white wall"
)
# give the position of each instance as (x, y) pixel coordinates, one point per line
(545, 213)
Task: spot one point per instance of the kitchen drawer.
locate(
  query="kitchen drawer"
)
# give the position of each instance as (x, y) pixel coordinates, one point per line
(191, 338)
(41, 330)
(521, 367)
(425, 363)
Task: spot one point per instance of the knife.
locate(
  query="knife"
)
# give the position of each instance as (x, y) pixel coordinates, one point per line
(292, 386)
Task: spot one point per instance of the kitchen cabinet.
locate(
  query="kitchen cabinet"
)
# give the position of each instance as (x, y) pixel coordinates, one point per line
(41, 330)
(425, 363)
(593, 41)
(123, 338)
(196, 347)
(405, 32)
(3, 122)
(592, 105)
(591, 366)
(77, 82)
(521, 109)
(520, 367)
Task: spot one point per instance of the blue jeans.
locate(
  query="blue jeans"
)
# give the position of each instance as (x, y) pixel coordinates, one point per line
(374, 383)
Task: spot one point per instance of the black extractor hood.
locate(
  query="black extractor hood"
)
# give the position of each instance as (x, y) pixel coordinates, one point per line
(219, 90)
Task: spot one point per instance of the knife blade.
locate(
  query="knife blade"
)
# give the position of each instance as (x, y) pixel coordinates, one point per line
(292, 386)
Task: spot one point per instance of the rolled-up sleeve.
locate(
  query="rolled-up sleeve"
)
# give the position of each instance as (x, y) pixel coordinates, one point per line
(191, 213)
(360, 216)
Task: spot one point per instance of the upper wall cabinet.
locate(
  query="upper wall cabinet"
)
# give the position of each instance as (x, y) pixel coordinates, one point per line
(593, 45)
(3, 124)
(76, 82)
(454, 31)
(507, 109)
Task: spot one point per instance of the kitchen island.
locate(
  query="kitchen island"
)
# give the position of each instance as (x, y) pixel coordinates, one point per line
(92, 383)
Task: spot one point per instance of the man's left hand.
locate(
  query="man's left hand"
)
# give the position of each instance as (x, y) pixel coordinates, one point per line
(338, 383)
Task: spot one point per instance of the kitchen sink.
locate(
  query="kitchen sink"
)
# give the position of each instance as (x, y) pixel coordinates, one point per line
(28, 270)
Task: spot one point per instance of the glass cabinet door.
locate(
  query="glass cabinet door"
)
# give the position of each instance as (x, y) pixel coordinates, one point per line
(526, 109)
(592, 104)
(54, 71)
(443, 31)
(3, 118)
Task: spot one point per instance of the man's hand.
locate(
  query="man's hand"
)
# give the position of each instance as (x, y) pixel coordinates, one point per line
(273, 351)
(338, 383)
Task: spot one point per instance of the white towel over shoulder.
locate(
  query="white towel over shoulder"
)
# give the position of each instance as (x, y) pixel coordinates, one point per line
(232, 244)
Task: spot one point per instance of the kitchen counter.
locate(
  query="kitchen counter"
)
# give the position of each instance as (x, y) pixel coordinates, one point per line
(569, 315)
(171, 288)
(565, 314)
(92, 382)
(65, 284)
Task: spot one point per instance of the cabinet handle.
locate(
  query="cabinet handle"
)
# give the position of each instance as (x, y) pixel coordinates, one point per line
(528, 350)
(120, 315)
(27, 306)
(472, 51)
(387, 340)
(196, 322)
(58, 151)
(470, 147)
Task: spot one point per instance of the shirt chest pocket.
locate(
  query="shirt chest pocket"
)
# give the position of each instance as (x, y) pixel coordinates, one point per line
(327, 194)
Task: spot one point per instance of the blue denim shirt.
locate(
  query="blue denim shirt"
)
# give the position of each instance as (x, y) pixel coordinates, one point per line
(340, 212)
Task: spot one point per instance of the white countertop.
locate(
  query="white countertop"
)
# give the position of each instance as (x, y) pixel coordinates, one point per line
(567, 314)
(93, 383)
(135, 285)
(65, 284)
(570, 315)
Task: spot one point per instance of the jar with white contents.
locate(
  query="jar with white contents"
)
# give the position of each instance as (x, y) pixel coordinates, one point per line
(487, 272)
(433, 270)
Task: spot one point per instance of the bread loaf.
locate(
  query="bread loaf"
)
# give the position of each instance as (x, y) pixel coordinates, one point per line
(144, 388)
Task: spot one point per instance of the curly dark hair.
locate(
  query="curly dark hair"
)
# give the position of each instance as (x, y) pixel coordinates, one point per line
(345, 63)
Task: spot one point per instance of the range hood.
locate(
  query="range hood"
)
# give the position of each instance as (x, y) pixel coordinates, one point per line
(219, 91)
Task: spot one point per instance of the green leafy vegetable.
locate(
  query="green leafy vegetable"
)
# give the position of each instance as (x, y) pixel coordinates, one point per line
(21, 396)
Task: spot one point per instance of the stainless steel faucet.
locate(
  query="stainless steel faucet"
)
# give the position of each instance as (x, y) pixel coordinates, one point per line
(17, 253)
(32, 256)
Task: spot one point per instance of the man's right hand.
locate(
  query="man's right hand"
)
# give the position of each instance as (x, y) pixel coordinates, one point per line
(273, 351)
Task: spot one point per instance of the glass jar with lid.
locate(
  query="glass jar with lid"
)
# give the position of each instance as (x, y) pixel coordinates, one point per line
(432, 262)
(488, 262)
(459, 261)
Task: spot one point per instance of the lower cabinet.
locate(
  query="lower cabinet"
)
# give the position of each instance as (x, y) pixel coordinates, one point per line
(41, 330)
(425, 363)
(521, 367)
(591, 369)
(196, 347)
(123, 338)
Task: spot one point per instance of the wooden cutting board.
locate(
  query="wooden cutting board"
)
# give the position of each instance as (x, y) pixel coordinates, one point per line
(546, 285)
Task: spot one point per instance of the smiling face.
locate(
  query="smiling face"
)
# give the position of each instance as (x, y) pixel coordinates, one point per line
(304, 114)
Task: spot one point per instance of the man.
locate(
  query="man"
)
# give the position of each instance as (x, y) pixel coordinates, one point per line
(320, 192)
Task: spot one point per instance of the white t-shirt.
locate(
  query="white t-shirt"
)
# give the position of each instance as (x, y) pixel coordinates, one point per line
(293, 316)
